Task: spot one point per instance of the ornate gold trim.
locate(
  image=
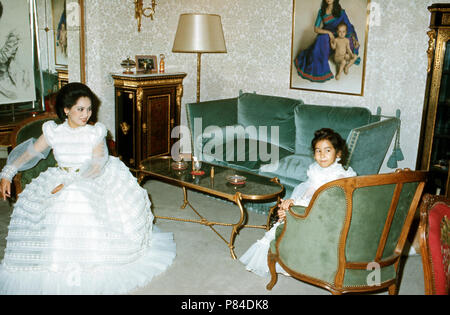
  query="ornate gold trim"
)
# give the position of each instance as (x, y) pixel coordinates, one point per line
(125, 128)
(430, 51)
(139, 98)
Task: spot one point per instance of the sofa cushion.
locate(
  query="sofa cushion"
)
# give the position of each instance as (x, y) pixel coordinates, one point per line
(264, 110)
(291, 170)
(309, 118)
(242, 152)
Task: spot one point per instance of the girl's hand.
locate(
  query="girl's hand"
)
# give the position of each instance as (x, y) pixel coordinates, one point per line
(281, 215)
(5, 186)
(285, 204)
(57, 188)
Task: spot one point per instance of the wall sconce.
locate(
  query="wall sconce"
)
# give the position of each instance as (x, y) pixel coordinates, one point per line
(140, 11)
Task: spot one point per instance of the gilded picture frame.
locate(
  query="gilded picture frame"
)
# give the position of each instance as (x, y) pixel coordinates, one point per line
(315, 65)
(60, 32)
(146, 64)
(17, 83)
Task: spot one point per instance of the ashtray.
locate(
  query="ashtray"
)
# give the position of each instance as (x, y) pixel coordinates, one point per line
(200, 172)
(236, 179)
(179, 165)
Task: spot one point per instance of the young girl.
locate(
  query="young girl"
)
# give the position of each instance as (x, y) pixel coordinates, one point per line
(329, 151)
(85, 226)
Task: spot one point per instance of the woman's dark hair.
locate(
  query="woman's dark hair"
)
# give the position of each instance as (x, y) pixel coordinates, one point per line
(335, 139)
(68, 96)
(336, 11)
(1, 9)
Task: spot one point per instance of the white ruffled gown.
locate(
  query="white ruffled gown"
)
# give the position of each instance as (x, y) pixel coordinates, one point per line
(255, 258)
(95, 236)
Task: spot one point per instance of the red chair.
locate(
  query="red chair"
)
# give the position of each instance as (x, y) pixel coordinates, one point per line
(434, 236)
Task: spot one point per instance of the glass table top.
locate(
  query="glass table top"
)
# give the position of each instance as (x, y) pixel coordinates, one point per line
(256, 187)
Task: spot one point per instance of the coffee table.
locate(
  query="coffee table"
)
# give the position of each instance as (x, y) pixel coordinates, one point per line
(256, 187)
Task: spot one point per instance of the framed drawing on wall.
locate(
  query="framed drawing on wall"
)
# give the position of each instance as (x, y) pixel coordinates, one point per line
(328, 48)
(17, 83)
(60, 32)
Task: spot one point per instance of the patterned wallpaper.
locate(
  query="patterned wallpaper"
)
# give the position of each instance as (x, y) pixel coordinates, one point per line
(258, 38)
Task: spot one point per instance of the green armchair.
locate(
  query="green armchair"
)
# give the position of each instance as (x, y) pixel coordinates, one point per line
(351, 236)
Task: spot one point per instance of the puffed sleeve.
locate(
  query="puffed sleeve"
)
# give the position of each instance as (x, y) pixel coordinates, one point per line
(48, 130)
(100, 132)
(94, 167)
(25, 156)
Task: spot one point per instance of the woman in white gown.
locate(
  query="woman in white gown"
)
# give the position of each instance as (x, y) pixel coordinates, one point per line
(330, 151)
(85, 226)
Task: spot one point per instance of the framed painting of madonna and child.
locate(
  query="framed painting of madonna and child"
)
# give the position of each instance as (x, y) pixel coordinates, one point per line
(328, 49)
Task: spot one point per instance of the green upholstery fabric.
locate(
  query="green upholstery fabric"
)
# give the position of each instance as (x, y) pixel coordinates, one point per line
(364, 157)
(309, 118)
(232, 152)
(373, 204)
(368, 138)
(310, 245)
(292, 169)
(218, 113)
(264, 110)
(34, 130)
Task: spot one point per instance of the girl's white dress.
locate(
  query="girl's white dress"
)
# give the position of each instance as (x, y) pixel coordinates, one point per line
(95, 236)
(255, 258)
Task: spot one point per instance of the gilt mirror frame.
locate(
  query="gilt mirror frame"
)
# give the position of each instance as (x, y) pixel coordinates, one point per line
(77, 56)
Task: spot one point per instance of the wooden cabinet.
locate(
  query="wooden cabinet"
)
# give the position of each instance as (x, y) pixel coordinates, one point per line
(148, 107)
(434, 147)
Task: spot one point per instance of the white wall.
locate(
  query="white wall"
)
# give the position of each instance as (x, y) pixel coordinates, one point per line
(258, 38)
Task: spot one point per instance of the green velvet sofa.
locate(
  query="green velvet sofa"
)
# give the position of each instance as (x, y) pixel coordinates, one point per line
(239, 133)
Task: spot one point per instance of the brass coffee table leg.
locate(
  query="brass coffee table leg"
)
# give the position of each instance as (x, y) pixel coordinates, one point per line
(237, 226)
(185, 202)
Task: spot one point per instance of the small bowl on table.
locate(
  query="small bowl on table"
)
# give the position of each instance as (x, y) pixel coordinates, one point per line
(179, 165)
(236, 179)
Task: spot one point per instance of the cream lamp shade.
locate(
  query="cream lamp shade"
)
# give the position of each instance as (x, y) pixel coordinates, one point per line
(199, 33)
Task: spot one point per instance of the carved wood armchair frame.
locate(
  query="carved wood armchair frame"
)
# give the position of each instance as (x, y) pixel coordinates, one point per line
(349, 185)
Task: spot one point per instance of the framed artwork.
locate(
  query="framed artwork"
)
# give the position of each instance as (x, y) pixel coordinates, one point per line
(17, 83)
(60, 32)
(146, 64)
(328, 49)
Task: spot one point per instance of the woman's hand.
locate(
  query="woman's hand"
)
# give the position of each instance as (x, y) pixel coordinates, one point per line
(5, 186)
(331, 36)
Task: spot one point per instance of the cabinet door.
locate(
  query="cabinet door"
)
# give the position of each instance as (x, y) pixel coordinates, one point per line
(158, 118)
(125, 129)
(440, 153)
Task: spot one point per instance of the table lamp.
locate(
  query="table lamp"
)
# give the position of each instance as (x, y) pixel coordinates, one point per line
(199, 33)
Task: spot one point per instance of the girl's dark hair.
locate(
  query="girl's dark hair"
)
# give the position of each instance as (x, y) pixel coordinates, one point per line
(336, 11)
(335, 139)
(68, 96)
